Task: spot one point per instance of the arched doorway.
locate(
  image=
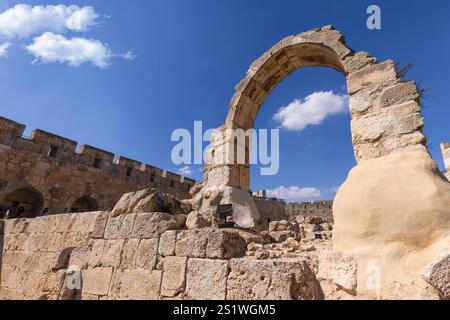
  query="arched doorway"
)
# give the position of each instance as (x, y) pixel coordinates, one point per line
(24, 203)
(84, 204)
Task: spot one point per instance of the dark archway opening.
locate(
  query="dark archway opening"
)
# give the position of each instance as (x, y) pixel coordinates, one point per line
(23, 203)
(84, 204)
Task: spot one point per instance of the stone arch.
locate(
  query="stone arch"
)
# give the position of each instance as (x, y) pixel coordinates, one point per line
(29, 198)
(393, 211)
(84, 204)
(385, 111)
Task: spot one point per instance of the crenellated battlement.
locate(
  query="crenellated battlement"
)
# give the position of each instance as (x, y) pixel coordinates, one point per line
(63, 149)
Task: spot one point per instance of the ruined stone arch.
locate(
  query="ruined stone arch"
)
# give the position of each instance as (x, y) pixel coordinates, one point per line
(393, 211)
(27, 197)
(384, 109)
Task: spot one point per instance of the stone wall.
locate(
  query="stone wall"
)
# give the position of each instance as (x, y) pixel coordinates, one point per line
(445, 147)
(140, 256)
(276, 210)
(45, 171)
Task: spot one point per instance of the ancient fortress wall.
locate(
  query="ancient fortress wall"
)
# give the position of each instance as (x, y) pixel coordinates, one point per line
(445, 147)
(139, 256)
(276, 210)
(46, 171)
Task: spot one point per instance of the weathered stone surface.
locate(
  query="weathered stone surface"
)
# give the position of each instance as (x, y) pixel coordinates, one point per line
(192, 243)
(146, 254)
(206, 279)
(372, 74)
(198, 220)
(225, 245)
(120, 227)
(151, 225)
(96, 281)
(98, 230)
(167, 243)
(140, 284)
(438, 275)
(340, 268)
(285, 279)
(150, 200)
(174, 276)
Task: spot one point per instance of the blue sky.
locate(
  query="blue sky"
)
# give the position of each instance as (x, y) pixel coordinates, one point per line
(173, 62)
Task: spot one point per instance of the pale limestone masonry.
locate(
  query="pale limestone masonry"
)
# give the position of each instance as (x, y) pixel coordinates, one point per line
(445, 147)
(135, 256)
(45, 171)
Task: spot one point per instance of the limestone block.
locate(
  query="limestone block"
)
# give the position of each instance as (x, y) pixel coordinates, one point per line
(174, 276)
(198, 220)
(96, 253)
(358, 61)
(149, 200)
(398, 94)
(359, 103)
(32, 284)
(167, 243)
(61, 223)
(98, 231)
(85, 222)
(146, 253)
(192, 243)
(140, 284)
(10, 277)
(112, 253)
(224, 244)
(206, 279)
(129, 200)
(280, 279)
(80, 257)
(383, 72)
(129, 254)
(438, 275)
(96, 281)
(120, 227)
(340, 268)
(416, 138)
(152, 225)
(368, 129)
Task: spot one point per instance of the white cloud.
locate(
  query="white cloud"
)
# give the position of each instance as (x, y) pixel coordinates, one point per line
(293, 193)
(51, 47)
(4, 49)
(185, 171)
(313, 110)
(23, 21)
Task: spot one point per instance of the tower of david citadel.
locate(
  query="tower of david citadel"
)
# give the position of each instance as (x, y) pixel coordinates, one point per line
(87, 224)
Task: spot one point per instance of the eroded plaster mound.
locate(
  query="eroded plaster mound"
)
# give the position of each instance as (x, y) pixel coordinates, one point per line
(393, 211)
